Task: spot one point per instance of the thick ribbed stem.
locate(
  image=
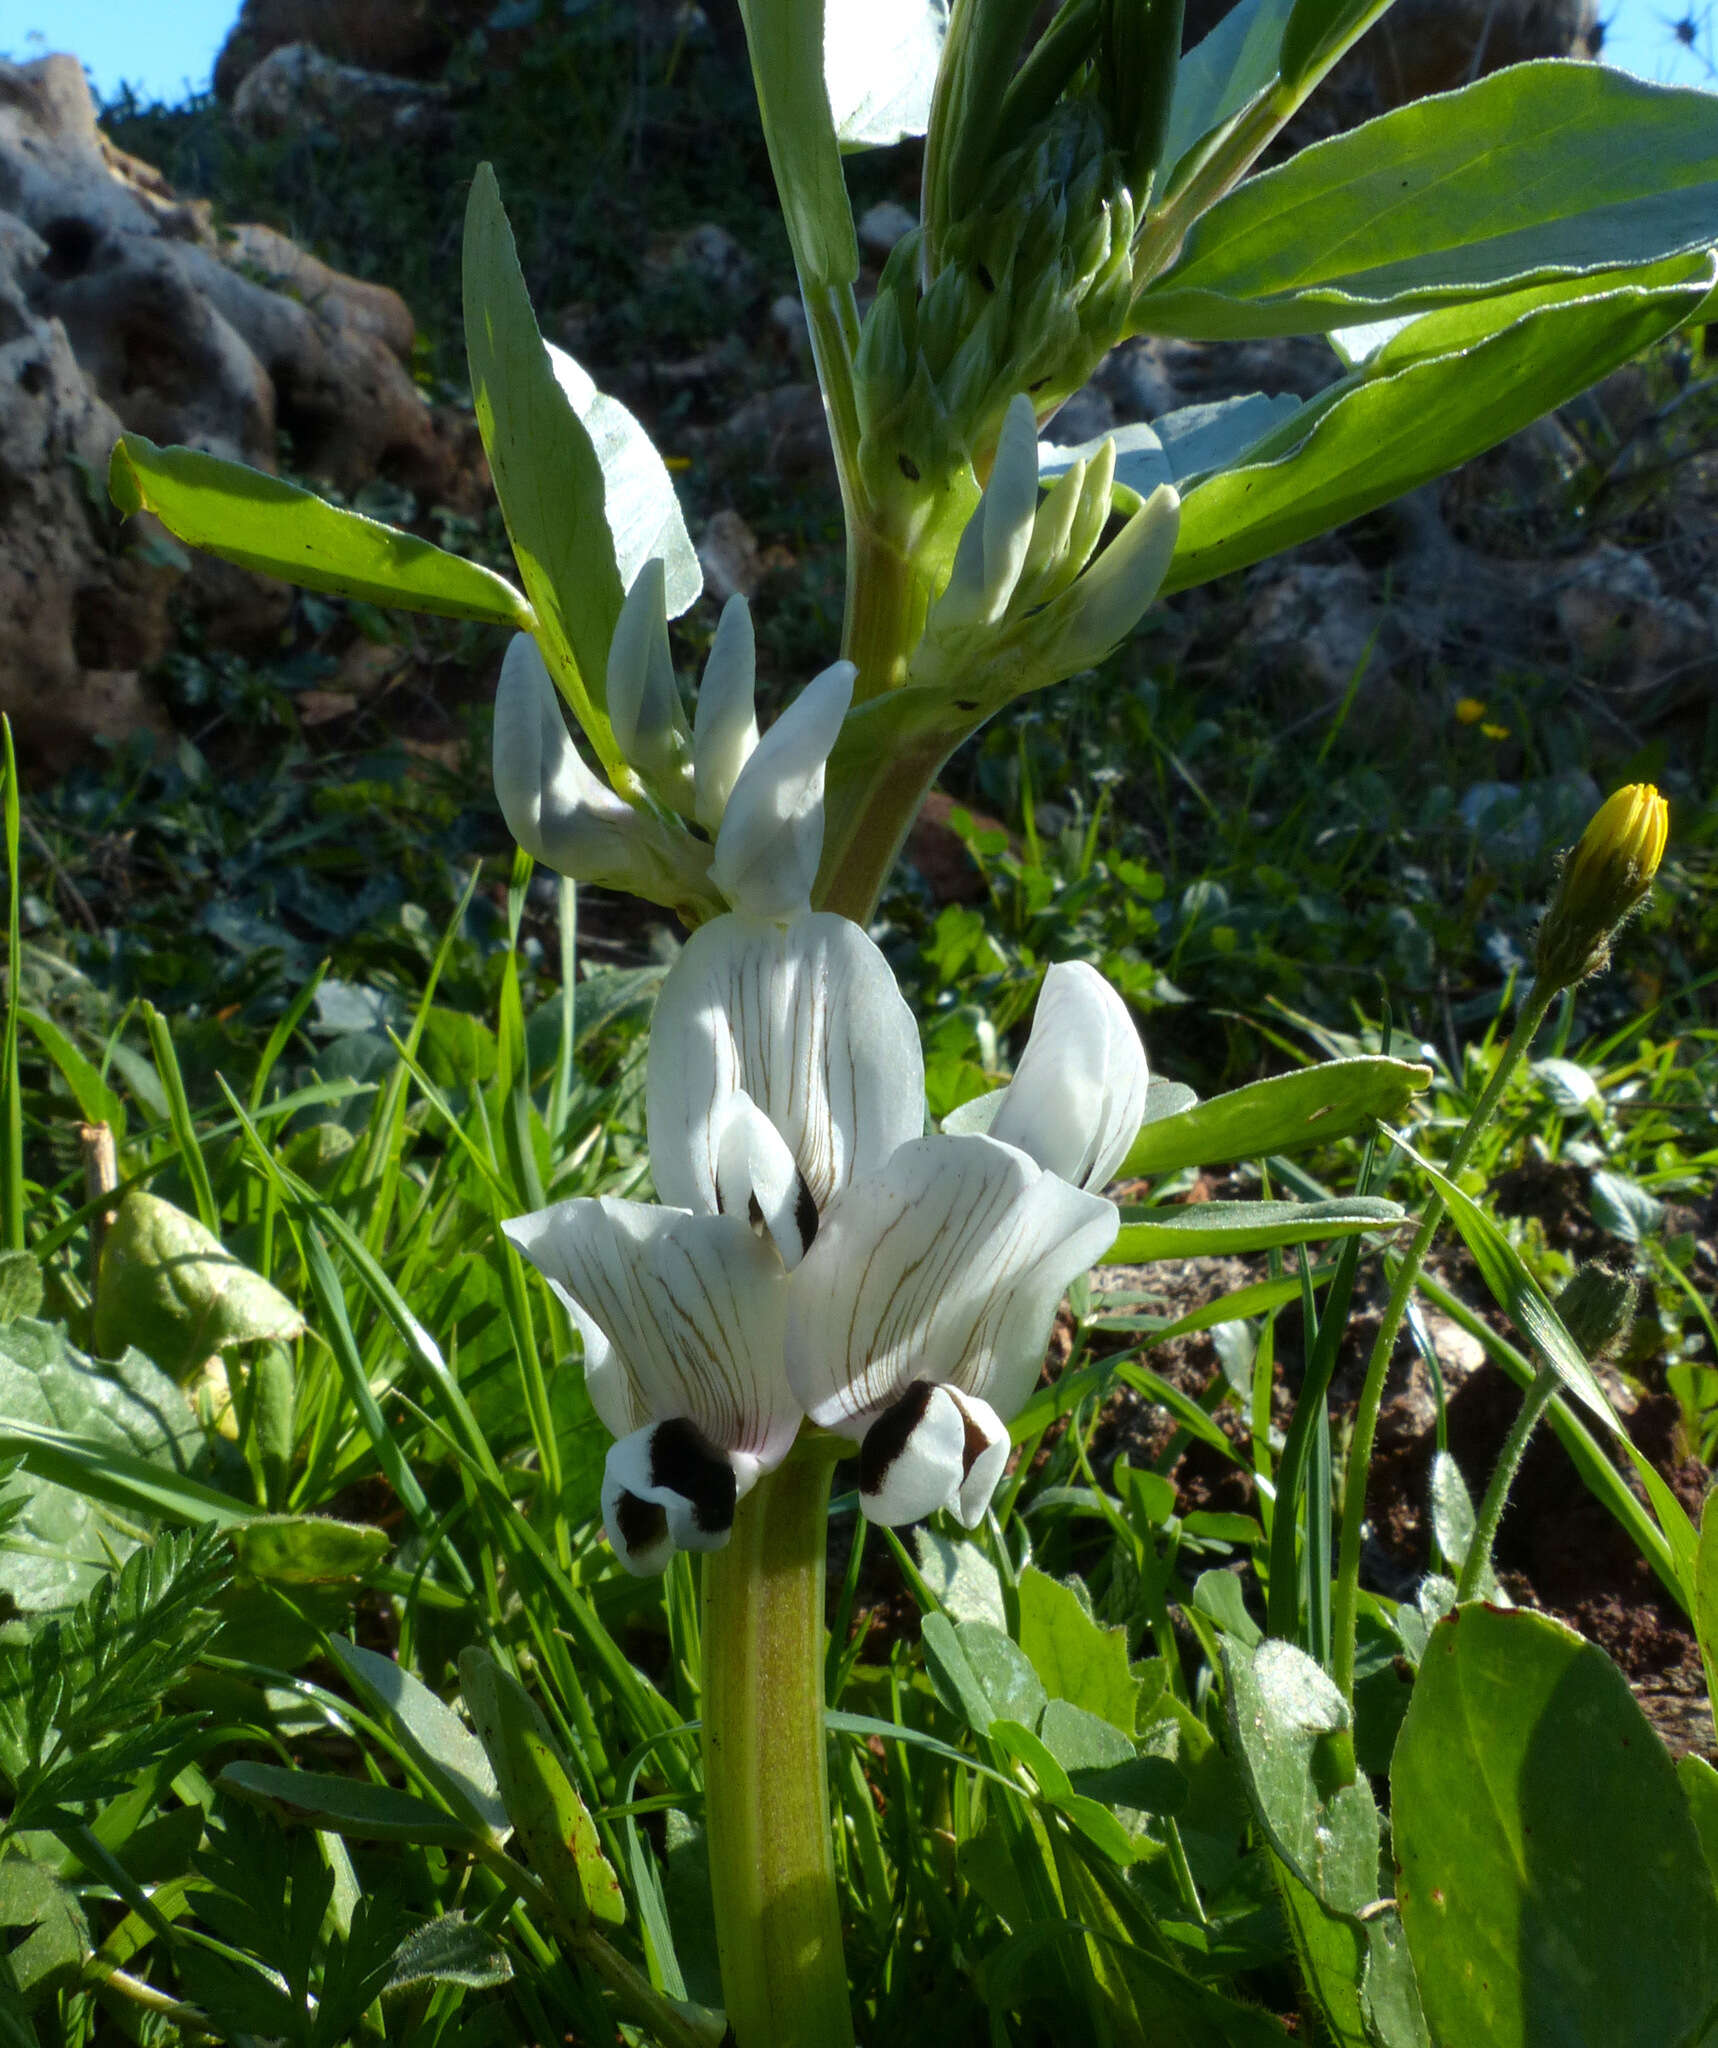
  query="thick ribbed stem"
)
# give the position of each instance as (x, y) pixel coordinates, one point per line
(766, 1789)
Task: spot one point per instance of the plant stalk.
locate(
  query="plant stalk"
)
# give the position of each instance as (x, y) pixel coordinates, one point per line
(1347, 1604)
(1534, 1403)
(766, 1790)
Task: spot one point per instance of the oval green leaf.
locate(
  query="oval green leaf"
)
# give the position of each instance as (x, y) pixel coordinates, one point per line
(1282, 1114)
(261, 523)
(352, 1807)
(1549, 1874)
(1377, 435)
(1200, 1229)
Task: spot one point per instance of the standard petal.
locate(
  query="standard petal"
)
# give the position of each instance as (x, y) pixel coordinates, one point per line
(771, 837)
(1078, 1095)
(946, 1266)
(691, 1307)
(667, 1488)
(809, 1023)
(725, 721)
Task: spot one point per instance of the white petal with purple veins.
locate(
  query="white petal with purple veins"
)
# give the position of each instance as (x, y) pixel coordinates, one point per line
(1078, 1095)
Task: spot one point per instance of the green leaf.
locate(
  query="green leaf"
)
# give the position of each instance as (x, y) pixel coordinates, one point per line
(1699, 1782)
(1076, 1658)
(171, 1288)
(966, 1584)
(51, 1397)
(1282, 1114)
(261, 523)
(1232, 65)
(1331, 1953)
(1093, 1819)
(1319, 31)
(447, 1752)
(786, 40)
(1544, 1847)
(1706, 1592)
(981, 1673)
(1518, 1294)
(308, 1550)
(546, 470)
(1542, 171)
(1387, 430)
(450, 1950)
(53, 1949)
(96, 1101)
(1282, 1707)
(350, 1807)
(639, 499)
(879, 65)
(1389, 1995)
(20, 1286)
(548, 1815)
(1453, 1518)
(1197, 1229)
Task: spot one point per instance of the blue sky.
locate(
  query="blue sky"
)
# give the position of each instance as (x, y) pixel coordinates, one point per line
(165, 48)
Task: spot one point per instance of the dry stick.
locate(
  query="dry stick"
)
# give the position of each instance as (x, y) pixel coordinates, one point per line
(101, 1177)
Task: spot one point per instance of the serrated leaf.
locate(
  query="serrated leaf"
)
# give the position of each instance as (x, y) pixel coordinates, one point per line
(448, 1752)
(259, 522)
(56, 1936)
(172, 1288)
(1282, 1114)
(1077, 1659)
(64, 1540)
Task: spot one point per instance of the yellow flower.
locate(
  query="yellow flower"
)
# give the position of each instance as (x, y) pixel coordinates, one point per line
(1606, 877)
(1470, 710)
(1494, 732)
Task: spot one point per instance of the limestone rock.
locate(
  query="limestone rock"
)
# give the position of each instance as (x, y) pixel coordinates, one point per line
(409, 38)
(122, 308)
(296, 89)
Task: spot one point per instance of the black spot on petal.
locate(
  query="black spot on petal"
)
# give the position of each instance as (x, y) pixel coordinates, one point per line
(683, 1461)
(909, 468)
(640, 1524)
(805, 1216)
(889, 1435)
(975, 1444)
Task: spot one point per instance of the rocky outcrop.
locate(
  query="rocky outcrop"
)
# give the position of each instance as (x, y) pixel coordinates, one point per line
(297, 90)
(122, 307)
(410, 38)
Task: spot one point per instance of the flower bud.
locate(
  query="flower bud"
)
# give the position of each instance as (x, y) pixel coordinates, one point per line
(1604, 880)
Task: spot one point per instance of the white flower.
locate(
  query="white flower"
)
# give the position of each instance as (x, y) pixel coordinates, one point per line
(682, 1321)
(564, 814)
(819, 1255)
(761, 799)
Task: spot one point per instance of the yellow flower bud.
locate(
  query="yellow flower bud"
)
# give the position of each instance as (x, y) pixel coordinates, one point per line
(1606, 877)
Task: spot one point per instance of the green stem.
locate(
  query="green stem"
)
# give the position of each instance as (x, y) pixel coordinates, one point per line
(1347, 1604)
(1538, 1398)
(886, 603)
(766, 1791)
